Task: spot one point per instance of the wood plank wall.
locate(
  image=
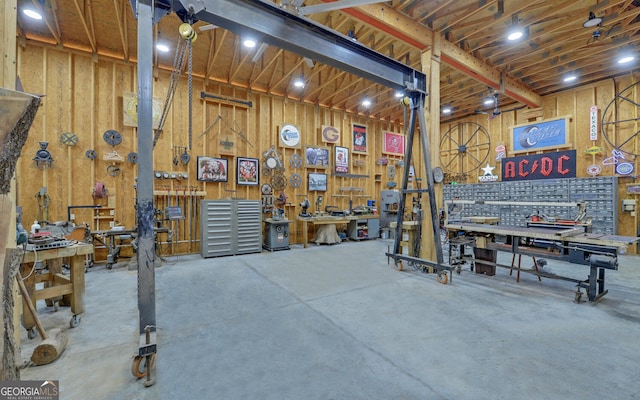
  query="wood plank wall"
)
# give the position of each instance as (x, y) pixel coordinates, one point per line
(85, 96)
(575, 104)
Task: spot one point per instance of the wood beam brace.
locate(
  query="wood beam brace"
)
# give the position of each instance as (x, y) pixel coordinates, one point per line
(387, 19)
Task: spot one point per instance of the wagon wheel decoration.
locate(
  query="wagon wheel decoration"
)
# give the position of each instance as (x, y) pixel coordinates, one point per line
(621, 121)
(464, 148)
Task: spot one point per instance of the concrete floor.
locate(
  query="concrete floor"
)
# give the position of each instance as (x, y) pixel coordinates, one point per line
(338, 322)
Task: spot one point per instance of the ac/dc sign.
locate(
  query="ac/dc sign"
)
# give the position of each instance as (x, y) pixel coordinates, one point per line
(560, 164)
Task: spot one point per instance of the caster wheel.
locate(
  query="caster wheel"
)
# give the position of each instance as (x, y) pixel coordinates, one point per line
(398, 266)
(139, 367)
(31, 333)
(109, 266)
(75, 321)
(442, 278)
(56, 306)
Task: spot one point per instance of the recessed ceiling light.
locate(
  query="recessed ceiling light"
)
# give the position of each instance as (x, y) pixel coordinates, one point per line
(32, 13)
(570, 78)
(162, 47)
(250, 43)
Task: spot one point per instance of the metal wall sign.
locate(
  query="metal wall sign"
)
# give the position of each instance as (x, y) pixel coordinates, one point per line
(593, 123)
(540, 135)
(560, 164)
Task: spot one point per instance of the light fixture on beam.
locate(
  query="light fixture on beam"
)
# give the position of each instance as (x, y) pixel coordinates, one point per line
(446, 110)
(250, 43)
(592, 21)
(515, 31)
(299, 82)
(366, 102)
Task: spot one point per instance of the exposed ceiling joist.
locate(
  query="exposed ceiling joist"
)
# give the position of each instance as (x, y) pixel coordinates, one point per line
(335, 5)
(384, 17)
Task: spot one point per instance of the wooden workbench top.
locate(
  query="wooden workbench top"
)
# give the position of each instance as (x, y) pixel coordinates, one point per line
(575, 235)
(59, 252)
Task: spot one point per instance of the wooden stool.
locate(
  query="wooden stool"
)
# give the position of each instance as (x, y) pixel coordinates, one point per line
(411, 229)
(535, 265)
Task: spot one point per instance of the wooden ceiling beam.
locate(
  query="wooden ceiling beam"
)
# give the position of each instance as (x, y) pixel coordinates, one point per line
(467, 13)
(120, 20)
(529, 70)
(394, 23)
(435, 10)
(269, 65)
(489, 22)
(87, 31)
(55, 33)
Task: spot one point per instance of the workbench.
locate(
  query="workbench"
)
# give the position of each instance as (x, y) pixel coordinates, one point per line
(70, 288)
(567, 243)
(328, 220)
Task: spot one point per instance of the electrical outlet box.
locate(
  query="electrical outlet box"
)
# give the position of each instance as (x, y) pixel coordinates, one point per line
(628, 205)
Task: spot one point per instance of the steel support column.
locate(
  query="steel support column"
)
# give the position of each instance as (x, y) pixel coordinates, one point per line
(145, 253)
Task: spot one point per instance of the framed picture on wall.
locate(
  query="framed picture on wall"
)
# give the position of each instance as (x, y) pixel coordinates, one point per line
(211, 169)
(359, 138)
(317, 182)
(316, 157)
(247, 171)
(393, 143)
(341, 159)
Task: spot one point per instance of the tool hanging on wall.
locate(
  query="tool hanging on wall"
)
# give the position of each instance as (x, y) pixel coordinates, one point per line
(215, 121)
(43, 200)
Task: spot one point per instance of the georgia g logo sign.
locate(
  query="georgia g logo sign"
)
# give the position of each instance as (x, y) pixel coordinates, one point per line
(330, 134)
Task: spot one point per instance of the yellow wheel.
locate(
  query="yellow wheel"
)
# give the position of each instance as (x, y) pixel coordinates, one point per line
(442, 278)
(398, 265)
(139, 368)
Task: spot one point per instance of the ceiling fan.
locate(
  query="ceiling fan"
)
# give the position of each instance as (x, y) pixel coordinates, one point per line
(496, 110)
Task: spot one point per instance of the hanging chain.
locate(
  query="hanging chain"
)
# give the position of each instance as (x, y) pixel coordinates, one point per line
(190, 80)
(178, 63)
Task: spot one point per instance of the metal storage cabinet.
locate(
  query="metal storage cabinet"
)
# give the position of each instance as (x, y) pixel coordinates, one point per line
(229, 227)
(364, 228)
(248, 228)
